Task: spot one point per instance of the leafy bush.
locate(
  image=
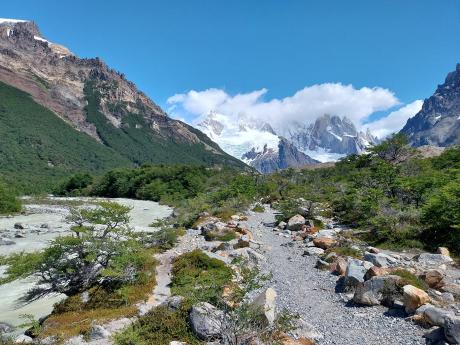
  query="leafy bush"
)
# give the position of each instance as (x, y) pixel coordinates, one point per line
(21, 265)
(101, 251)
(160, 326)
(258, 208)
(9, 203)
(199, 278)
(409, 278)
(74, 185)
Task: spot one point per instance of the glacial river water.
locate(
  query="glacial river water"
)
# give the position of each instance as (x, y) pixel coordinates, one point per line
(37, 236)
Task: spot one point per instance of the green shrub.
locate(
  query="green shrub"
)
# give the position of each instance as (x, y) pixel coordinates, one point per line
(9, 203)
(199, 278)
(20, 265)
(160, 326)
(74, 185)
(345, 251)
(409, 278)
(258, 208)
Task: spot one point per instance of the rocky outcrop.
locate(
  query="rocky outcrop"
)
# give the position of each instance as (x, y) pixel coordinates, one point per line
(286, 156)
(438, 123)
(206, 321)
(68, 86)
(332, 134)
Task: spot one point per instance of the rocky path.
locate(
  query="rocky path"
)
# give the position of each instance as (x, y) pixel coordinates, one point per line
(310, 292)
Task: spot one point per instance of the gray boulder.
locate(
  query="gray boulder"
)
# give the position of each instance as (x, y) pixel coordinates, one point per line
(303, 329)
(322, 265)
(23, 339)
(313, 251)
(19, 226)
(377, 290)
(206, 321)
(433, 315)
(98, 332)
(295, 223)
(452, 329)
(5, 328)
(355, 272)
(6, 241)
(433, 260)
(265, 303)
(380, 259)
(281, 225)
(326, 233)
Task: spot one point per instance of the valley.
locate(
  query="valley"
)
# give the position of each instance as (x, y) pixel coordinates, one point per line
(216, 213)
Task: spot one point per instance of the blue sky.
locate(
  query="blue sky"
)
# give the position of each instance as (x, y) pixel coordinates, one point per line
(171, 47)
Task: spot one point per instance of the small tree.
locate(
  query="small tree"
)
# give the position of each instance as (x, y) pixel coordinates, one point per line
(8, 200)
(102, 250)
(394, 150)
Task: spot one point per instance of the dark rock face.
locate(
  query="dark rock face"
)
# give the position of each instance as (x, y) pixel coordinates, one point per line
(287, 156)
(438, 123)
(333, 134)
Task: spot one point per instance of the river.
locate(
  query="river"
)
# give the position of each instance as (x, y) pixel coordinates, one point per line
(43, 221)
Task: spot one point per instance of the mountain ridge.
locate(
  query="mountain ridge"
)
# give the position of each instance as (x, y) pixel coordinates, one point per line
(99, 102)
(438, 122)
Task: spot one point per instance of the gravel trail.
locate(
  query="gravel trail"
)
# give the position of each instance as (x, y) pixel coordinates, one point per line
(310, 292)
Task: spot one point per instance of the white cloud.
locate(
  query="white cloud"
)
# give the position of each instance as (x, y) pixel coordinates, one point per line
(304, 106)
(395, 120)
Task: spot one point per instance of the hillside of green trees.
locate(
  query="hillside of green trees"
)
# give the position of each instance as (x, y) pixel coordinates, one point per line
(37, 147)
(395, 197)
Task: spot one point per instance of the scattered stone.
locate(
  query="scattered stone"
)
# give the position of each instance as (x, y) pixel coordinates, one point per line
(447, 297)
(206, 321)
(380, 259)
(295, 223)
(5, 328)
(322, 265)
(19, 226)
(452, 329)
(281, 225)
(355, 273)
(433, 260)
(84, 297)
(266, 301)
(373, 250)
(304, 330)
(324, 242)
(326, 233)
(23, 339)
(6, 242)
(434, 278)
(332, 256)
(313, 251)
(375, 271)
(454, 289)
(98, 332)
(174, 302)
(443, 251)
(433, 315)
(44, 226)
(413, 298)
(377, 290)
(339, 266)
(19, 235)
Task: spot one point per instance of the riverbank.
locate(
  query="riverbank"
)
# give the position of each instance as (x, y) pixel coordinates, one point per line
(42, 221)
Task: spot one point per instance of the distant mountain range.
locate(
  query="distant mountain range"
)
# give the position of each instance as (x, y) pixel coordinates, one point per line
(60, 114)
(438, 123)
(295, 145)
(93, 104)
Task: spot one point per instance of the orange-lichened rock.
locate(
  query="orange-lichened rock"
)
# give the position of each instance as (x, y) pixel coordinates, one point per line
(324, 242)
